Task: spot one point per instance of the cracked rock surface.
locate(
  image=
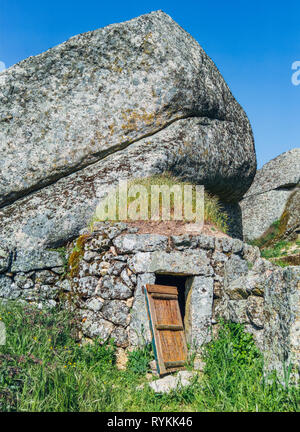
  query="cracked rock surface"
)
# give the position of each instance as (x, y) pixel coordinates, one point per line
(274, 193)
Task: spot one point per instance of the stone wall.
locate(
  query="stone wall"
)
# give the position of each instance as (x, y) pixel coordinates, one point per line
(116, 264)
(35, 276)
(225, 278)
(282, 321)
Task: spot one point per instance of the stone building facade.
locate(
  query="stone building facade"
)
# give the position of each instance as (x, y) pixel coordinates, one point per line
(218, 277)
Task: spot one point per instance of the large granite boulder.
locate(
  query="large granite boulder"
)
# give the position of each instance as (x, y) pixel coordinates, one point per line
(130, 99)
(274, 195)
(282, 322)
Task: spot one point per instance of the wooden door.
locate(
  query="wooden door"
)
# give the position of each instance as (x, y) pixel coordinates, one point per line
(167, 329)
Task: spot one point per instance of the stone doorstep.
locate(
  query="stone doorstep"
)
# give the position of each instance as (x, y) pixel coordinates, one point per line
(171, 382)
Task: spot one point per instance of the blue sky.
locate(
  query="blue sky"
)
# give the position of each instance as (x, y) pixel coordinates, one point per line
(253, 43)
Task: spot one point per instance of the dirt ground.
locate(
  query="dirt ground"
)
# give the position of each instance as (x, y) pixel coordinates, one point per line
(172, 227)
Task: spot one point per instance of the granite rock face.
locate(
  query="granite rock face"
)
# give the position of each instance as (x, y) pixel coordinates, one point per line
(274, 192)
(130, 99)
(282, 321)
(291, 217)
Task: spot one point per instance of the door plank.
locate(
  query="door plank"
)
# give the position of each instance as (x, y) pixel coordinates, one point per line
(163, 289)
(155, 337)
(167, 328)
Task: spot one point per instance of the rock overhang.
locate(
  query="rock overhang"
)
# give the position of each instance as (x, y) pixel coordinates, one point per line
(177, 114)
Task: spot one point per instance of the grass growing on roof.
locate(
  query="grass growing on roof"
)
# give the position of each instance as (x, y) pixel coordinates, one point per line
(213, 211)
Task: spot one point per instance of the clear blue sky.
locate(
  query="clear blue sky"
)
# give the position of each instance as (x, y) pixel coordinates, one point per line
(253, 43)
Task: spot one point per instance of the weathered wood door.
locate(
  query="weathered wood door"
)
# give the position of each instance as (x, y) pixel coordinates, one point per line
(167, 329)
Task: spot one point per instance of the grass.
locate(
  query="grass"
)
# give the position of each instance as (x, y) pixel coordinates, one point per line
(42, 368)
(283, 253)
(278, 251)
(213, 211)
(269, 237)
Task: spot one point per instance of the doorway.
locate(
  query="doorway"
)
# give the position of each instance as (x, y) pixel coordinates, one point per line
(179, 282)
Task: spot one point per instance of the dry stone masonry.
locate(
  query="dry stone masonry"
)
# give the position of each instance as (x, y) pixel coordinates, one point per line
(224, 278)
(31, 275)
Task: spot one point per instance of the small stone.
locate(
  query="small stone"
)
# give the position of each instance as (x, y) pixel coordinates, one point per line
(112, 288)
(47, 291)
(223, 244)
(121, 358)
(129, 302)
(234, 268)
(116, 312)
(237, 246)
(84, 269)
(23, 281)
(4, 259)
(46, 277)
(47, 304)
(172, 382)
(64, 285)
(206, 242)
(117, 267)
(8, 289)
(99, 244)
(94, 304)
(58, 270)
(219, 258)
(255, 311)
(87, 285)
(237, 290)
(131, 243)
(132, 230)
(120, 337)
(183, 241)
(125, 278)
(26, 260)
(94, 326)
(90, 256)
(199, 364)
(237, 310)
(251, 253)
(153, 365)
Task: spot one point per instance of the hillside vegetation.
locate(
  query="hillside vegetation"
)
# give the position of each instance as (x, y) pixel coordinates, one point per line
(43, 368)
(277, 250)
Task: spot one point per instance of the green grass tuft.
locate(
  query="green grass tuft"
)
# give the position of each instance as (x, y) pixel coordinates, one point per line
(139, 358)
(213, 210)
